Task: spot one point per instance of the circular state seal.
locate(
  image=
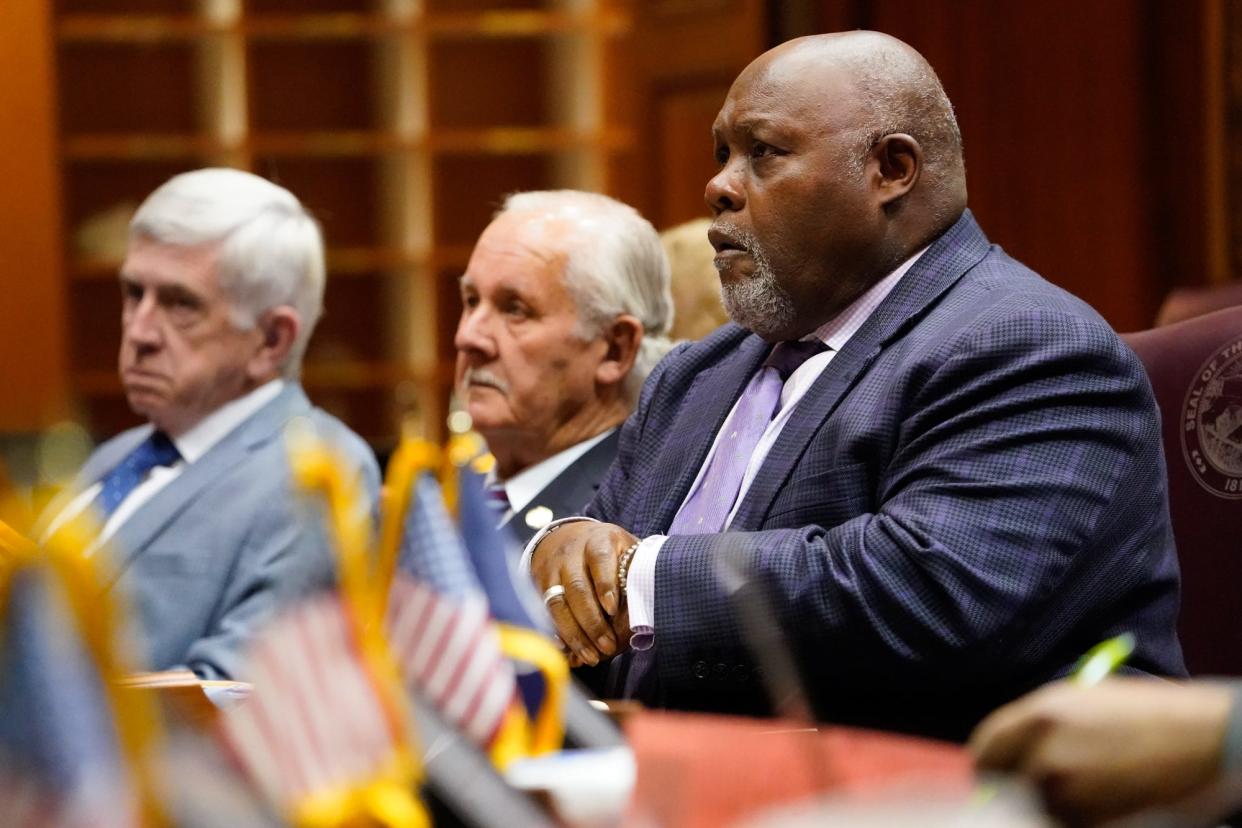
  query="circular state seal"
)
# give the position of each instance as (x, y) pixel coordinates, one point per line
(1212, 423)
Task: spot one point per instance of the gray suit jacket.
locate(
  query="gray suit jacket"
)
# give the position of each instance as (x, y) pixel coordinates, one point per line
(213, 555)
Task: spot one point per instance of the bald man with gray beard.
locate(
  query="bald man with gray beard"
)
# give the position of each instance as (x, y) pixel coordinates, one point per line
(947, 469)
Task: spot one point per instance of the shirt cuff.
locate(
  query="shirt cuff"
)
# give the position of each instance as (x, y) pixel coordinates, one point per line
(529, 552)
(640, 591)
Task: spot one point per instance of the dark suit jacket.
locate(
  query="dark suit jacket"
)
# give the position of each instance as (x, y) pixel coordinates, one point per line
(214, 554)
(970, 496)
(572, 489)
(567, 495)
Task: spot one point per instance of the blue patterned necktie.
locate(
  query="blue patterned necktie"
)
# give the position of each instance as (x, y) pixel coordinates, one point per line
(156, 450)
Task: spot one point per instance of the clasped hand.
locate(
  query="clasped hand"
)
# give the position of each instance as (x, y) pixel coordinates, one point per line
(591, 617)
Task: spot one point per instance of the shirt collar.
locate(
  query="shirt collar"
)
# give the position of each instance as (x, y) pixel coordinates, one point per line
(837, 331)
(213, 428)
(522, 488)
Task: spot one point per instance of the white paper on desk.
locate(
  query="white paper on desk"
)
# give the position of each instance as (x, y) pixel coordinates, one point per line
(587, 787)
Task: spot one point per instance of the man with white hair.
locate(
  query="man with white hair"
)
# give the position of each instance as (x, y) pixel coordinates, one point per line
(221, 287)
(565, 309)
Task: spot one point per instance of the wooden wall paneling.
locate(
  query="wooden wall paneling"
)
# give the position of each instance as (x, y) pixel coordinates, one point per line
(399, 123)
(574, 99)
(1184, 80)
(685, 55)
(221, 85)
(410, 313)
(32, 315)
(684, 113)
(1084, 127)
(1051, 105)
(1230, 147)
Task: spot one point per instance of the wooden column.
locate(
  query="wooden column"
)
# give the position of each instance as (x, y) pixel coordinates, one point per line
(32, 307)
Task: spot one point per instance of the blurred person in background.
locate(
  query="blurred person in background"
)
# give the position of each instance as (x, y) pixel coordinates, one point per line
(697, 309)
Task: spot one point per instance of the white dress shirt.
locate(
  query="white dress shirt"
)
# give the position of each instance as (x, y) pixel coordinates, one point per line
(522, 488)
(191, 445)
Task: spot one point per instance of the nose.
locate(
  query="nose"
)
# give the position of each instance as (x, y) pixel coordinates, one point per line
(474, 339)
(141, 321)
(724, 192)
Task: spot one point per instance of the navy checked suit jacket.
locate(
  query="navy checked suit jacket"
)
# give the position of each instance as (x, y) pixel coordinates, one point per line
(970, 496)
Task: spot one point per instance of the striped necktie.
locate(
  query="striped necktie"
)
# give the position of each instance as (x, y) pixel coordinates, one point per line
(498, 499)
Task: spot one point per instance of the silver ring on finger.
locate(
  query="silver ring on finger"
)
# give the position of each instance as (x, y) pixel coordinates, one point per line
(554, 591)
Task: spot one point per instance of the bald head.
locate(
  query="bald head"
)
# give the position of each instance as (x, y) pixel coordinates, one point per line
(895, 91)
(840, 158)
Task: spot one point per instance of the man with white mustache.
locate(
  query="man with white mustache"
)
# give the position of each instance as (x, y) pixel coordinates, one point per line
(947, 470)
(565, 307)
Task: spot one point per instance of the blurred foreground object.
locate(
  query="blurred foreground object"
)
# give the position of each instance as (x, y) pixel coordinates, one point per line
(324, 735)
(701, 771)
(75, 749)
(196, 702)
(327, 734)
(1103, 752)
(902, 806)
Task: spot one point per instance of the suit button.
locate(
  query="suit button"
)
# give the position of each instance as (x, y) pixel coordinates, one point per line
(699, 669)
(720, 672)
(741, 674)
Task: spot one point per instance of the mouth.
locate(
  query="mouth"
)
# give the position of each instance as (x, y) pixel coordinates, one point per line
(140, 375)
(724, 241)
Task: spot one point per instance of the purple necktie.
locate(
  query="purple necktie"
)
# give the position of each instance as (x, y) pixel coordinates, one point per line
(633, 674)
(497, 497)
(708, 507)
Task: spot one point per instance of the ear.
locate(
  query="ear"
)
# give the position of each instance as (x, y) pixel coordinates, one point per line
(899, 160)
(622, 339)
(277, 329)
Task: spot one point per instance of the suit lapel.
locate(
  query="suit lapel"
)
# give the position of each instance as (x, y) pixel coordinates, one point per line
(571, 490)
(703, 411)
(137, 533)
(944, 262)
(574, 487)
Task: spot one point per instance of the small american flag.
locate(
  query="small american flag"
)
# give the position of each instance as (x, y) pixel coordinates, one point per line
(60, 761)
(316, 720)
(440, 625)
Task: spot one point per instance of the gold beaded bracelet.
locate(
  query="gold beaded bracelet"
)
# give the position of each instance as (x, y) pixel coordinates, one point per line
(623, 566)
